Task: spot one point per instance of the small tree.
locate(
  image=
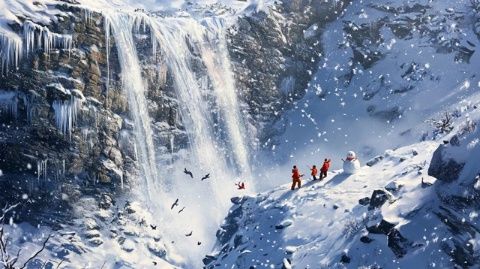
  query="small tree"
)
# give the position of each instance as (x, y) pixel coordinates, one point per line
(8, 260)
(443, 125)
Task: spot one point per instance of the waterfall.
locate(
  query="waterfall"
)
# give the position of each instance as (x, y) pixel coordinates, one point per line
(196, 57)
(176, 38)
(134, 89)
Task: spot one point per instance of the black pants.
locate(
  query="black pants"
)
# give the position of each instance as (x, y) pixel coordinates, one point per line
(314, 177)
(323, 174)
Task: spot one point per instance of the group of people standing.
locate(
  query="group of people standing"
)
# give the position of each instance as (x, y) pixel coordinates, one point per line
(297, 177)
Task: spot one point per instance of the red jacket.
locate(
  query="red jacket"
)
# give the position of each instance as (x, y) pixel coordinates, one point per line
(314, 171)
(325, 166)
(295, 173)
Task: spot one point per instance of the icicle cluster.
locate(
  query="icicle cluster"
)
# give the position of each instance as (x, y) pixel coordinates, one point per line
(66, 113)
(8, 103)
(42, 169)
(10, 51)
(37, 36)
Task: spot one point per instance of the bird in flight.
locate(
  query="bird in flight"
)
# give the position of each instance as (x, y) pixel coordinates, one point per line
(174, 204)
(181, 210)
(189, 234)
(205, 177)
(188, 172)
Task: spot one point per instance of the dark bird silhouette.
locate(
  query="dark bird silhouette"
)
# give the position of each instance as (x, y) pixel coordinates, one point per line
(181, 210)
(174, 204)
(154, 263)
(199, 243)
(188, 172)
(205, 177)
(426, 184)
(154, 227)
(189, 234)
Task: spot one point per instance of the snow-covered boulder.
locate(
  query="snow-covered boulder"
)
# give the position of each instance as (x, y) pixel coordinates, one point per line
(351, 164)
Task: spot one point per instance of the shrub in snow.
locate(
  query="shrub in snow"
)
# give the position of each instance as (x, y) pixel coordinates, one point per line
(443, 125)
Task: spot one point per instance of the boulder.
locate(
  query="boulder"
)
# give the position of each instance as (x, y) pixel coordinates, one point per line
(365, 239)
(345, 258)
(444, 169)
(379, 197)
(364, 201)
(397, 243)
(374, 161)
(383, 227)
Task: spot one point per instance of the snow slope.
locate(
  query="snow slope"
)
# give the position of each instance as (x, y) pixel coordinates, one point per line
(387, 68)
(313, 226)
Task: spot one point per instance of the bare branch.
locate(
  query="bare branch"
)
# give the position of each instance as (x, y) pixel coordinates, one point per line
(7, 209)
(60, 263)
(37, 253)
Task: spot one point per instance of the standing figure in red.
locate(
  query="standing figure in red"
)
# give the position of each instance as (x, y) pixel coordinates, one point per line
(296, 178)
(324, 169)
(314, 172)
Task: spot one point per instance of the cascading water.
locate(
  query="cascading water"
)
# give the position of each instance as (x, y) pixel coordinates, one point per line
(196, 56)
(197, 60)
(134, 89)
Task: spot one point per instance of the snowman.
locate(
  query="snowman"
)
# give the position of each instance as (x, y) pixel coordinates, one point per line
(351, 164)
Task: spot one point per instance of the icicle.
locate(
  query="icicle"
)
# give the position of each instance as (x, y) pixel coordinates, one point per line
(40, 37)
(66, 113)
(10, 51)
(9, 103)
(88, 15)
(42, 170)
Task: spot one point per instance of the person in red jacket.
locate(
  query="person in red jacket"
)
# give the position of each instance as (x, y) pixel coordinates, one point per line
(314, 172)
(324, 169)
(296, 177)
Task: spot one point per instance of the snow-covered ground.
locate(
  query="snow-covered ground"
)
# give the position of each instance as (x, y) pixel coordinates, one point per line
(349, 105)
(312, 227)
(388, 68)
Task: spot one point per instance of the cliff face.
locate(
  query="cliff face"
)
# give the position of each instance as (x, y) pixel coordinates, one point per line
(66, 121)
(274, 56)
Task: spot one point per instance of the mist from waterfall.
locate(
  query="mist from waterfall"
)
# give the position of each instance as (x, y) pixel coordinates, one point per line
(196, 56)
